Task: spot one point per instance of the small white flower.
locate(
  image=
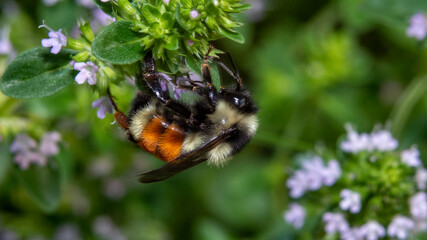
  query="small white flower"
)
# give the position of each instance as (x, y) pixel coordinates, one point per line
(335, 223)
(56, 40)
(166, 2)
(400, 227)
(194, 14)
(383, 141)
(418, 205)
(421, 178)
(331, 173)
(350, 201)
(297, 184)
(87, 72)
(372, 230)
(411, 157)
(355, 142)
(295, 215)
(418, 27)
(104, 105)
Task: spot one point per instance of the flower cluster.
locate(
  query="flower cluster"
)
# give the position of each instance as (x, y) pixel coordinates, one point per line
(377, 191)
(313, 176)
(418, 27)
(26, 151)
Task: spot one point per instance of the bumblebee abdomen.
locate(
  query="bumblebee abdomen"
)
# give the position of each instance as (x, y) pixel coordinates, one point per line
(161, 139)
(170, 144)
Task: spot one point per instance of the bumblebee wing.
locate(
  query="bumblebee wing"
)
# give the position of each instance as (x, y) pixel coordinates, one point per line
(185, 161)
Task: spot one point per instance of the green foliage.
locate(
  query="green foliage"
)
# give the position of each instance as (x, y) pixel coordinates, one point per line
(37, 73)
(311, 67)
(118, 44)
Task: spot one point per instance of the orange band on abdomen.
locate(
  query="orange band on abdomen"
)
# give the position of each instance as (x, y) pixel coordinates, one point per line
(170, 143)
(151, 135)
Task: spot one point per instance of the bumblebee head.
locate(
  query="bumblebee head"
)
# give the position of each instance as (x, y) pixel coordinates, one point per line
(240, 99)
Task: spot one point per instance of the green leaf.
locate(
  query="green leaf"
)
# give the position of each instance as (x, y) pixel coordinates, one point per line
(106, 7)
(118, 44)
(172, 43)
(43, 184)
(38, 73)
(167, 21)
(179, 19)
(241, 8)
(150, 13)
(235, 36)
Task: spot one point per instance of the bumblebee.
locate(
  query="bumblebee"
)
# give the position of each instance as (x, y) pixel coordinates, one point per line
(212, 129)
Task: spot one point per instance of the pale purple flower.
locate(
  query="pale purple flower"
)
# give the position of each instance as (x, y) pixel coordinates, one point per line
(257, 11)
(104, 227)
(417, 27)
(383, 141)
(166, 2)
(6, 47)
(100, 19)
(105, 0)
(297, 184)
(114, 189)
(421, 178)
(411, 157)
(420, 225)
(189, 42)
(331, 173)
(350, 200)
(418, 205)
(50, 2)
(335, 223)
(86, 3)
(67, 232)
(100, 167)
(295, 215)
(25, 158)
(355, 142)
(194, 14)
(400, 227)
(49, 143)
(22, 143)
(56, 40)
(104, 105)
(87, 72)
(372, 230)
(314, 172)
(352, 234)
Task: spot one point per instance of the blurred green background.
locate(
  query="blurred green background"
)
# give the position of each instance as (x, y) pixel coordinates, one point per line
(311, 65)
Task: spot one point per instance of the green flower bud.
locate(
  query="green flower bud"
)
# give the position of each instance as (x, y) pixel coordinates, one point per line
(76, 44)
(87, 32)
(109, 72)
(81, 56)
(126, 8)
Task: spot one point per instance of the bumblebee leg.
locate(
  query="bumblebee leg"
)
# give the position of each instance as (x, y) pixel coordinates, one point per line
(235, 75)
(120, 117)
(210, 90)
(149, 74)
